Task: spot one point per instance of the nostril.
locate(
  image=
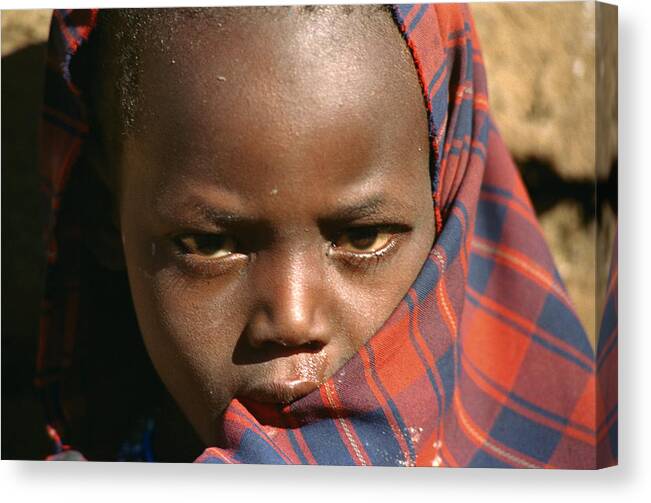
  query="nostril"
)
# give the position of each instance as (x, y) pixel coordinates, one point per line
(277, 348)
(314, 346)
(265, 331)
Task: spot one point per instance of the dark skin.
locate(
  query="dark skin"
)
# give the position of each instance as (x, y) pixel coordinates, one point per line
(275, 202)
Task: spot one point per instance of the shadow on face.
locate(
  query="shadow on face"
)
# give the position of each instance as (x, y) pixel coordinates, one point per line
(276, 202)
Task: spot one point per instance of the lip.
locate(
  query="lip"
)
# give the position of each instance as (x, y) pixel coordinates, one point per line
(288, 378)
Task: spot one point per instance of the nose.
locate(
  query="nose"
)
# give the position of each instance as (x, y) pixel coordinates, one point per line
(290, 305)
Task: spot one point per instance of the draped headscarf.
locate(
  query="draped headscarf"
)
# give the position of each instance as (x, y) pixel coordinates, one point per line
(482, 364)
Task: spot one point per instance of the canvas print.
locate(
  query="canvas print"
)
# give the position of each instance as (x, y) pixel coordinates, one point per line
(311, 234)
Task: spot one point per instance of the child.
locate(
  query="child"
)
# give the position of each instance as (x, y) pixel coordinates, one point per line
(331, 257)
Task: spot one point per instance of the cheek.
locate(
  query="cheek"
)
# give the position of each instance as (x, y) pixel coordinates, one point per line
(195, 326)
(190, 331)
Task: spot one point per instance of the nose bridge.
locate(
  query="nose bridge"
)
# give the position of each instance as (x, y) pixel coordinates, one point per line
(294, 297)
(291, 290)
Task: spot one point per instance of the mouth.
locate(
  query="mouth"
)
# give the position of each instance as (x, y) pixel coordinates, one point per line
(288, 378)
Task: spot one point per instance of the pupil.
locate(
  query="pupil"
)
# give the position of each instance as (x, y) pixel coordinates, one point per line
(209, 243)
(363, 238)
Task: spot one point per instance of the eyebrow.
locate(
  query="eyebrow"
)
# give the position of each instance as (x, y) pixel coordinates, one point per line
(226, 218)
(347, 212)
(354, 211)
(194, 210)
(357, 210)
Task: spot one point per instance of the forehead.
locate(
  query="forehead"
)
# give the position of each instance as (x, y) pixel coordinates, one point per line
(284, 94)
(297, 63)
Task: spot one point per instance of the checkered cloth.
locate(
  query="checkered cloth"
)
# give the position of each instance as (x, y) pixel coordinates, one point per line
(482, 364)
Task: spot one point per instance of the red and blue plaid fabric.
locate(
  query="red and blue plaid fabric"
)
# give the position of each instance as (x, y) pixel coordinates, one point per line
(482, 364)
(62, 131)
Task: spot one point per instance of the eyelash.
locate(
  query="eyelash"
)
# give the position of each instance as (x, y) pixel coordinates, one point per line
(360, 261)
(195, 263)
(364, 260)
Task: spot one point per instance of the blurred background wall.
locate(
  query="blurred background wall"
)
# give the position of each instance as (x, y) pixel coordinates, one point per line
(553, 92)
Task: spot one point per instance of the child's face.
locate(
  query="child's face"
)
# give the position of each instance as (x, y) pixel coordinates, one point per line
(276, 203)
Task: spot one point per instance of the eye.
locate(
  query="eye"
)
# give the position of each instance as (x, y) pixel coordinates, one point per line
(363, 239)
(207, 245)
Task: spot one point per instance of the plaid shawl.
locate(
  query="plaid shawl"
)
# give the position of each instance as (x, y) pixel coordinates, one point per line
(482, 364)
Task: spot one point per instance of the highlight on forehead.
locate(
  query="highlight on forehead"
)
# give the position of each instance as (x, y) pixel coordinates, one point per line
(126, 33)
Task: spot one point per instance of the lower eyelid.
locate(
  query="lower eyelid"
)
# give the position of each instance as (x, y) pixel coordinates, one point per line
(213, 267)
